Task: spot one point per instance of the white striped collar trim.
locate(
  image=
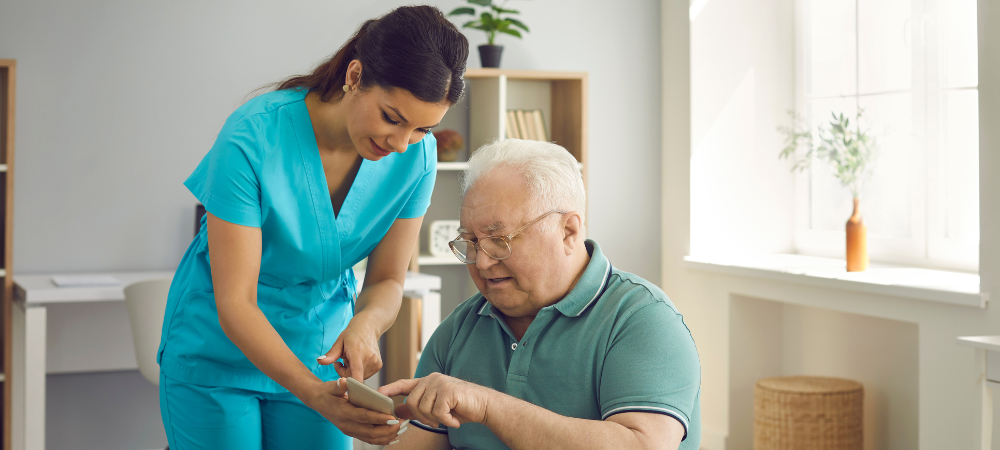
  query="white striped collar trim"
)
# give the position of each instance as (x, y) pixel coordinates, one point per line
(486, 304)
(600, 290)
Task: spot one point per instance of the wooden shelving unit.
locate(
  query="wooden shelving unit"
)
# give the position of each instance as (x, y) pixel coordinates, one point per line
(8, 76)
(481, 118)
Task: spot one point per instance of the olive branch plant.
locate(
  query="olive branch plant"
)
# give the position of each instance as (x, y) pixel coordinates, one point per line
(490, 20)
(850, 149)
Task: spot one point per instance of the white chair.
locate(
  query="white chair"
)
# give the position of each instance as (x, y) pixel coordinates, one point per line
(146, 302)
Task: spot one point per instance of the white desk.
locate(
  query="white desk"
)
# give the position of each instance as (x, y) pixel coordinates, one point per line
(32, 350)
(988, 362)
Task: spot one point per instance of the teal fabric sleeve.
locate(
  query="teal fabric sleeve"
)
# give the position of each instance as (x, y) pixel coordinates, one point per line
(651, 364)
(226, 181)
(420, 199)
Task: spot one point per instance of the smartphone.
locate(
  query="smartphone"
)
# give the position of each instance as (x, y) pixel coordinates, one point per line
(363, 396)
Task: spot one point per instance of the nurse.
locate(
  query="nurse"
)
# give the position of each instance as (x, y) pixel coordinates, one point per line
(301, 184)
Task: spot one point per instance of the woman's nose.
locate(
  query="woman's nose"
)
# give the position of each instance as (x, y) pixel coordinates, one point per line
(400, 141)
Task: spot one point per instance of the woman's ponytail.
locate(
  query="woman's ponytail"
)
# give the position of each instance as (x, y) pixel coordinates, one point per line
(413, 47)
(329, 76)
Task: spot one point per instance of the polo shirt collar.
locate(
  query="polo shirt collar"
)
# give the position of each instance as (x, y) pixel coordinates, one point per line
(591, 284)
(588, 288)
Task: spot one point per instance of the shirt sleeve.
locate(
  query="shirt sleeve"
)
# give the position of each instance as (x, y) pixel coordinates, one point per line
(420, 199)
(433, 358)
(652, 366)
(227, 179)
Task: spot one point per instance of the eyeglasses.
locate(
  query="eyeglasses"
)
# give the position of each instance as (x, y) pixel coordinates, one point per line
(496, 247)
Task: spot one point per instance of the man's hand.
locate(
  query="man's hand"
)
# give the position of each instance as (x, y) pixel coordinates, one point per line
(440, 399)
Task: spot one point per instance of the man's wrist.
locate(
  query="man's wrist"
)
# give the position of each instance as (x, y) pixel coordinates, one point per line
(494, 403)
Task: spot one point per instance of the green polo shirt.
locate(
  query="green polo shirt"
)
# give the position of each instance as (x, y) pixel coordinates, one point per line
(615, 344)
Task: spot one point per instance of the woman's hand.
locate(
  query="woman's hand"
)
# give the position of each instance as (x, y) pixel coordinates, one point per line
(358, 346)
(330, 400)
(439, 398)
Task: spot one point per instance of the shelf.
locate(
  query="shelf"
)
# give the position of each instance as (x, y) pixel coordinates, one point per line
(3, 167)
(453, 165)
(3, 273)
(446, 260)
(959, 288)
(465, 165)
(524, 74)
(991, 343)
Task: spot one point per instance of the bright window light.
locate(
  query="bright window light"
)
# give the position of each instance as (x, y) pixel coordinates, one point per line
(911, 66)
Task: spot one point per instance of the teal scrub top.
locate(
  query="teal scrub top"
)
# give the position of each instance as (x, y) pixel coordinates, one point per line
(264, 171)
(614, 344)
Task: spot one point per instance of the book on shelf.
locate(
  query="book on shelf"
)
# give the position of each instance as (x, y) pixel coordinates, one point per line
(540, 134)
(530, 120)
(526, 124)
(511, 125)
(522, 124)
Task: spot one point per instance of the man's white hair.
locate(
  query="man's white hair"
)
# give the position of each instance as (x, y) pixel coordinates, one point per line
(551, 172)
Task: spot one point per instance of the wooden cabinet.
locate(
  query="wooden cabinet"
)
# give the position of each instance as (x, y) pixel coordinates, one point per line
(8, 76)
(403, 342)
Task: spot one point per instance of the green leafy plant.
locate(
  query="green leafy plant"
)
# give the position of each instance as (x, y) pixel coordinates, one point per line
(850, 150)
(490, 20)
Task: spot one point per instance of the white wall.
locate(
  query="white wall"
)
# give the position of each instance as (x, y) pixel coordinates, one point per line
(742, 84)
(989, 167)
(118, 101)
(774, 339)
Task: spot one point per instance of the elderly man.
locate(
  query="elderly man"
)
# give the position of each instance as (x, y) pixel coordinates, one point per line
(559, 349)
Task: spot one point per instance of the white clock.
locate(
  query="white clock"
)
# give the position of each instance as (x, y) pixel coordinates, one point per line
(440, 233)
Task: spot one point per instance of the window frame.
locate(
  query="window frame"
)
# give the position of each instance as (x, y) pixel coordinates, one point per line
(926, 246)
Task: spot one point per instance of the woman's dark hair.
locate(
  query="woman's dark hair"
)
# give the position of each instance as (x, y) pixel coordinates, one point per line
(413, 47)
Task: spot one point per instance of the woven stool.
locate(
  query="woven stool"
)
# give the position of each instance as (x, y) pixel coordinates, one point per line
(807, 413)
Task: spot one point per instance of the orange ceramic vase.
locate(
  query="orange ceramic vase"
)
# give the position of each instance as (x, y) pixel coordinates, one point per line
(857, 241)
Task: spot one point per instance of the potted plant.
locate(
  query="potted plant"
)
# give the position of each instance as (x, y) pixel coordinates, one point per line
(449, 142)
(491, 22)
(851, 152)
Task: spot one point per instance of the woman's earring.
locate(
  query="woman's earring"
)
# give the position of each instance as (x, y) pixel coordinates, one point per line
(346, 88)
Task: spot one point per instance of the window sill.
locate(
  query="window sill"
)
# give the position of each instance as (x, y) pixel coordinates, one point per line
(958, 288)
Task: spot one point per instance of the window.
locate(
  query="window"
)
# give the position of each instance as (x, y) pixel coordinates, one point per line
(912, 67)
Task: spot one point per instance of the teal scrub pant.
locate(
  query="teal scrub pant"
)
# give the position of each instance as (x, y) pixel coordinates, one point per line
(221, 418)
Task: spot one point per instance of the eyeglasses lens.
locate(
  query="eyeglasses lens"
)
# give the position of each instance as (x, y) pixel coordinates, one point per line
(466, 251)
(496, 247)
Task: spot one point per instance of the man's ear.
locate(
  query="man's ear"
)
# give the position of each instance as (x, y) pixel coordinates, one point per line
(572, 227)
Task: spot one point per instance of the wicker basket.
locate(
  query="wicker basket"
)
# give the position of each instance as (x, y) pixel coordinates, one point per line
(807, 413)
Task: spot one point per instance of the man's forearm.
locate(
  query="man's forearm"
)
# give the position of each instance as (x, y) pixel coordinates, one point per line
(522, 425)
